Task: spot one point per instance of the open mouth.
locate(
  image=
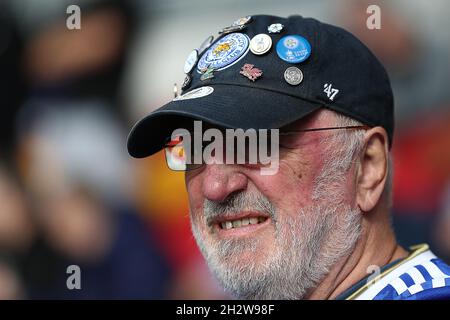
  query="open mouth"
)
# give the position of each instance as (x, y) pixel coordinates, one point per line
(239, 223)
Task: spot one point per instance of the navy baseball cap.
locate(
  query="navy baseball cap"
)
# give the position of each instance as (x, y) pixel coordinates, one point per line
(264, 72)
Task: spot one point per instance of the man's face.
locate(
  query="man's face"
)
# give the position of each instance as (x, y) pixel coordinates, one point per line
(276, 236)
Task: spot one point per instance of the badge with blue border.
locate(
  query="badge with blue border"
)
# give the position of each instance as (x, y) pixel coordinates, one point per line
(225, 52)
(293, 49)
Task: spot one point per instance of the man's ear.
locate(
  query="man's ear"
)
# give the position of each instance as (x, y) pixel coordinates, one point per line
(373, 169)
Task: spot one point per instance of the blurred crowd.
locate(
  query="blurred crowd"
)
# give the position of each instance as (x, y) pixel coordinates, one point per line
(70, 194)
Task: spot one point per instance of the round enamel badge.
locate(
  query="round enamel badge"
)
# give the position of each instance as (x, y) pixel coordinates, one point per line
(225, 52)
(293, 49)
(260, 44)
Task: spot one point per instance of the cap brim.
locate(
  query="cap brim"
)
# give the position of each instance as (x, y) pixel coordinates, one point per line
(228, 106)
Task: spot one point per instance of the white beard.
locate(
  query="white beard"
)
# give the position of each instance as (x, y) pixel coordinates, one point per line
(307, 246)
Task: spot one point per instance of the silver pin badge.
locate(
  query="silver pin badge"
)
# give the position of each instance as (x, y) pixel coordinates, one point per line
(275, 28)
(293, 76)
(186, 83)
(190, 62)
(205, 45)
(242, 21)
(260, 44)
(231, 29)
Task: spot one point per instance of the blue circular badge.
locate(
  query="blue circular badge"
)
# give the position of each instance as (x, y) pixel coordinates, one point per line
(293, 49)
(225, 52)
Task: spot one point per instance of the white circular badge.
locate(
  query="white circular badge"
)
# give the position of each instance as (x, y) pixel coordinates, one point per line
(260, 44)
(190, 61)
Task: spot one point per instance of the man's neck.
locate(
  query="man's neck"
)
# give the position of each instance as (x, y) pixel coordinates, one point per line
(377, 246)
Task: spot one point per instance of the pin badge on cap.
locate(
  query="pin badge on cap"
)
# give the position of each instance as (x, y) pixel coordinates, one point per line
(293, 49)
(260, 44)
(249, 71)
(231, 29)
(196, 93)
(186, 83)
(191, 61)
(275, 28)
(175, 90)
(225, 52)
(208, 73)
(242, 21)
(205, 44)
(293, 76)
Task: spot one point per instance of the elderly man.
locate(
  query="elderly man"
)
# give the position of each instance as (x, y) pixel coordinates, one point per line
(318, 226)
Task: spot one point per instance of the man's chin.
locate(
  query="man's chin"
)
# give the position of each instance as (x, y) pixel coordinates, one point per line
(245, 282)
(242, 261)
(243, 252)
(239, 280)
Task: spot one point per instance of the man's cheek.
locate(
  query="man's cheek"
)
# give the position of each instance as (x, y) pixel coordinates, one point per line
(198, 218)
(195, 205)
(194, 191)
(194, 198)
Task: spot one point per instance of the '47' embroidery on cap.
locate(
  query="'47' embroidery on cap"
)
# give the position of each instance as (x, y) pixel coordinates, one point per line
(330, 91)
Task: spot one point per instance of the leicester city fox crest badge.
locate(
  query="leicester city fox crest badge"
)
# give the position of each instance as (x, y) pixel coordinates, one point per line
(225, 52)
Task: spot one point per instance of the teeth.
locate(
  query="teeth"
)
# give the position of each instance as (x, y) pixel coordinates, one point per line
(241, 222)
(226, 225)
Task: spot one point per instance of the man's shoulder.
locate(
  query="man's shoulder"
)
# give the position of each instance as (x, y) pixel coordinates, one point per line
(427, 280)
(420, 276)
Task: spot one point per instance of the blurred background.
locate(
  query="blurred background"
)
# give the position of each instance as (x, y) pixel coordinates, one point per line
(69, 192)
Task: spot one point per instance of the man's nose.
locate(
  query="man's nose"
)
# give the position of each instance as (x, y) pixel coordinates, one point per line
(221, 180)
